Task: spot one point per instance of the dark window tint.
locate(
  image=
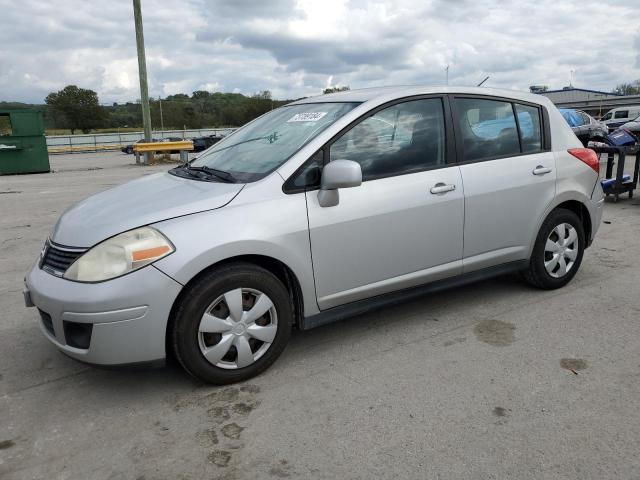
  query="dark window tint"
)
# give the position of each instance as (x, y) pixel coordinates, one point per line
(621, 114)
(407, 137)
(530, 131)
(487, 128)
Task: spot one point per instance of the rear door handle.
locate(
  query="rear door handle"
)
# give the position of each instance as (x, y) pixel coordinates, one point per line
(441, 188)
(540, 170)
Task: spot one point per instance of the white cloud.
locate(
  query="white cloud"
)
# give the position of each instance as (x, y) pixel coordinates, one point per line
(298, 47)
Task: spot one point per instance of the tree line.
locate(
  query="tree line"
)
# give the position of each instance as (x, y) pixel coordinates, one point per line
(79, 109)
(632, 88)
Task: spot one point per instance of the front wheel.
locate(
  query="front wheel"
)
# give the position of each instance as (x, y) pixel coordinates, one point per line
(232, 323)
(558, 251)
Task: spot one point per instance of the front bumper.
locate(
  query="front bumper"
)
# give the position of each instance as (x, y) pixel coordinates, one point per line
(125, 318)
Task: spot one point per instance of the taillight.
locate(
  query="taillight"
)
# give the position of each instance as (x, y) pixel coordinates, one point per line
(588, 156)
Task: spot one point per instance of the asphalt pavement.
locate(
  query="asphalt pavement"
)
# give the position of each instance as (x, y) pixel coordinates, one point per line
(494, 380)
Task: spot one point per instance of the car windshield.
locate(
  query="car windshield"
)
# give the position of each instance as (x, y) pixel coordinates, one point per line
(261, 146)
(572, 117)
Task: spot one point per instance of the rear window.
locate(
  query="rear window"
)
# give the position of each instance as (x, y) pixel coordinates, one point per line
(488, 128)
(573, 117)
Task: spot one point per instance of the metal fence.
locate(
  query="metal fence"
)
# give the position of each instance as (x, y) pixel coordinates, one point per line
(97, 142)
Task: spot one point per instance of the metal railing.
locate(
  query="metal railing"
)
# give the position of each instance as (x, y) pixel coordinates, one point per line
(98, 142)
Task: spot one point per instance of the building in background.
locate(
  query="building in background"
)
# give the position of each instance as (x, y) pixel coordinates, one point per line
(594, 102)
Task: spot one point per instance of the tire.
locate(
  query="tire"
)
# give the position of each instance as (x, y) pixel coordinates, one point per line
(216, 293)
(543, 272)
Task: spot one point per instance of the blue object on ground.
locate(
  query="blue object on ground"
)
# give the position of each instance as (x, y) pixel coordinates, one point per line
(608, 183)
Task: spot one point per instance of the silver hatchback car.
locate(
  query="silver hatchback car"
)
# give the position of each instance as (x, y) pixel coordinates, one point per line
(314, 212)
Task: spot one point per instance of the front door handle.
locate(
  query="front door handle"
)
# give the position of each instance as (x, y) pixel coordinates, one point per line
(540, 170)
(441, 188)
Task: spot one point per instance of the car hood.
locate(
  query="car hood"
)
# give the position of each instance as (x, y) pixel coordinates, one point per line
(631, 126)
(140, 202)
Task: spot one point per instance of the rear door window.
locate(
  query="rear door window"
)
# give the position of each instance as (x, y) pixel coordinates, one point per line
(621, 114)
(486, 128)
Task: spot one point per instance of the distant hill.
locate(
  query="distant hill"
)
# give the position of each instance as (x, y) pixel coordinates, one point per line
(199, 110)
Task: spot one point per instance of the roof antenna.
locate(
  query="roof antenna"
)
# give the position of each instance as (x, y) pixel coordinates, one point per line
(480, 84)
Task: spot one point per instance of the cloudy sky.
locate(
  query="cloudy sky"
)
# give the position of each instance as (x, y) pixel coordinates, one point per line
(297, 47)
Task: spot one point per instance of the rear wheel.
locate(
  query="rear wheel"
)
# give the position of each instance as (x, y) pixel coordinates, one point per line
(232, 323)
(558, 250)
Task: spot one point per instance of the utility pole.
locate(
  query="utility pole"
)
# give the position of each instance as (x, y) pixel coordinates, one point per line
(161, 119)
(447, 70)
(142, 71)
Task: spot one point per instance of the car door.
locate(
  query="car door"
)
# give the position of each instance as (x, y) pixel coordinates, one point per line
(403, 225)
(509, 177)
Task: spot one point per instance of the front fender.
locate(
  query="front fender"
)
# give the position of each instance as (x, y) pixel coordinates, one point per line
(275, 228)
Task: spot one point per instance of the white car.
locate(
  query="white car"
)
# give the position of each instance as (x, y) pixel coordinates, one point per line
(617, 117)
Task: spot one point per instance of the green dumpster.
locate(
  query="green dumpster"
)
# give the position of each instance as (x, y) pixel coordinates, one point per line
(23, 148)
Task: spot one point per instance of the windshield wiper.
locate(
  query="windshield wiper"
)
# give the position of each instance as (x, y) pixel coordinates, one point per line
(272, 137)
(221, 174)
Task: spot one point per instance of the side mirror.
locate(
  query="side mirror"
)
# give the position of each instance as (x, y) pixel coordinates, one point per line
(335, 175)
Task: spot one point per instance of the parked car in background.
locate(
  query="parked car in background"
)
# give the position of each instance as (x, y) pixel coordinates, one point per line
(202, 143)
(585, 126)
(314, 212)
(618, 116)
(633, 126)
(128, 149)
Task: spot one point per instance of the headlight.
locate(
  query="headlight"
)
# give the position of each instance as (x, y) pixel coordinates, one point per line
(121, 254)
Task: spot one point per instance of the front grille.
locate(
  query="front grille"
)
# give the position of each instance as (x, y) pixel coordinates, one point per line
(56, 258)
(47, 322)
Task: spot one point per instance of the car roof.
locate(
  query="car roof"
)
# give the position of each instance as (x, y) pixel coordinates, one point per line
(391, 92)
(625, 107)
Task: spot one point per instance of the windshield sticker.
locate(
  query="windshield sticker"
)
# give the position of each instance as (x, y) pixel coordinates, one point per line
(307, 117)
